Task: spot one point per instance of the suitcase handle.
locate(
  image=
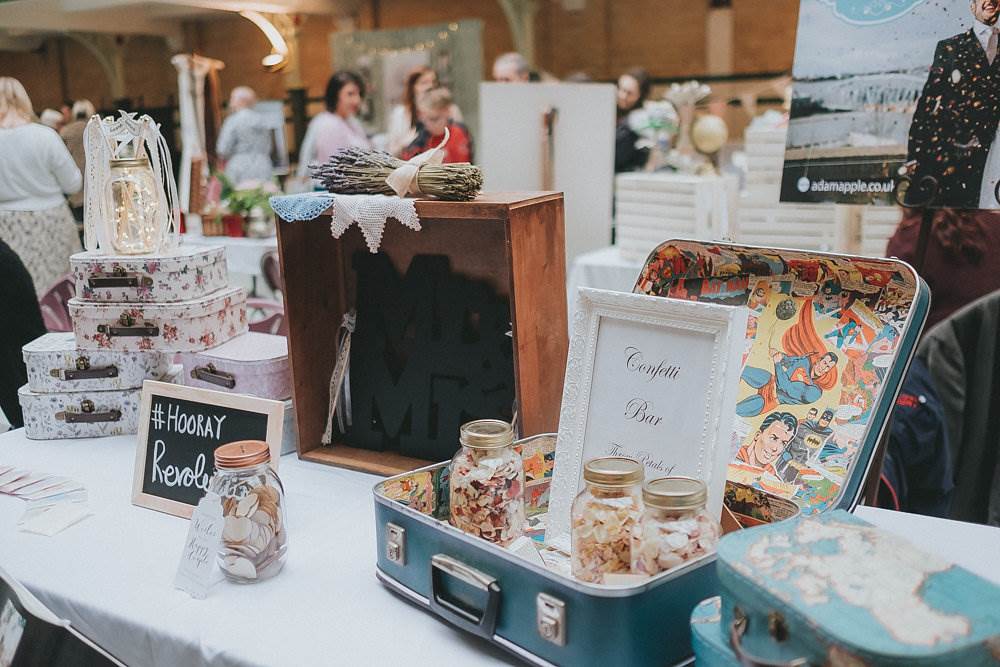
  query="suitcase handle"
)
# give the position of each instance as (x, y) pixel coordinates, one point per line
(738, 628)
(118, 277)
(127, 326)
(87, 415)
(84, 371)
(478, 622)
(212, 375)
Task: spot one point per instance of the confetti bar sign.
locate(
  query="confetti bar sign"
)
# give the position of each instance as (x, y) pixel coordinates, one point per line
(179, 430)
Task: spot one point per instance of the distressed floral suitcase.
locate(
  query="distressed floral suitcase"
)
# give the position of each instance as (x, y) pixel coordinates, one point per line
(181, 326)
(833, 589)
(254, 363)
(189, 272)
(867, 312)
(79, 414)
(55, 364)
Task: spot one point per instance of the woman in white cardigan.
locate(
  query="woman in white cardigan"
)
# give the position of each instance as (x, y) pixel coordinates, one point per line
(36, 172)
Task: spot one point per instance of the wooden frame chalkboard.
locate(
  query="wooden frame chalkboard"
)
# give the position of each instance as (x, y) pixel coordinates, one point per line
(196, 421)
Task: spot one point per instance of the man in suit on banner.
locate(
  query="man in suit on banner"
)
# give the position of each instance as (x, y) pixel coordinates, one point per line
(955, 122)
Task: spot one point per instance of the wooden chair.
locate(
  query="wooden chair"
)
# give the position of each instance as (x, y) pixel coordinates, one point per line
(55, 304)
(272, 316)
(270, 268)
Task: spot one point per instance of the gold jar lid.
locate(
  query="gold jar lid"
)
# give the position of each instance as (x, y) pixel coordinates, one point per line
(242, 454)
(613, 471)
(675, 493)
(130, 162)
(486, 434)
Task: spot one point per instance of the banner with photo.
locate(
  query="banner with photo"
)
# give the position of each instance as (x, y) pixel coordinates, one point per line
(895, 99)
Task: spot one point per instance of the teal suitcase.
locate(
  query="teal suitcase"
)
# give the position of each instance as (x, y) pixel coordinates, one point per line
(834, 590)
(871, 311)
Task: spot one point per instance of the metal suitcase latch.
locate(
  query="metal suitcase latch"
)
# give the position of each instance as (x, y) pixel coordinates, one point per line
(87, 415)
(84, 371)
(778, 630)
(550, 618)
(119, 278)
(214, 376)
(395, 544)
(127, 327)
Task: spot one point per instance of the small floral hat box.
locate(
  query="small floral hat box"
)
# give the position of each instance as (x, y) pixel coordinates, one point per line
(832, 589)
(182, 326)
(184, 274)
(79, 414)
(254, 363)
(56, 365)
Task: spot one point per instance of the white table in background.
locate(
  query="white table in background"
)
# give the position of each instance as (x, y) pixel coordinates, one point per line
(111, 575)
(606, 269)
(243, 255)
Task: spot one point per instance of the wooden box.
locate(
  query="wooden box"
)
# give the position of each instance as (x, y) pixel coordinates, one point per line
(512, 241)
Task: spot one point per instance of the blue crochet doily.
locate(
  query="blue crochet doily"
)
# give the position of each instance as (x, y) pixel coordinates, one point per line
(300, 207)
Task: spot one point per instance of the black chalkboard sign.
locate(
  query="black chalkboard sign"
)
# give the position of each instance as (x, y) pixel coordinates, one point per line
(180, 429)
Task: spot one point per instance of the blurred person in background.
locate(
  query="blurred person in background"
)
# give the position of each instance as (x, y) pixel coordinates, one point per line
(961, 263)
(72, 136)
(633, 89)
(245, 142)
(511, 68)
(51, 118)
(338, 127)
(434, 109)
(404, 121)
(36, 171)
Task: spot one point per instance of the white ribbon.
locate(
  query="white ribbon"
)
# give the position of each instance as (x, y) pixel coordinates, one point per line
(340, 381)
(404, 179)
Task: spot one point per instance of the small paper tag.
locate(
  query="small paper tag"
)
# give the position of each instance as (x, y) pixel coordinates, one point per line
(197, 566)
(526, 548)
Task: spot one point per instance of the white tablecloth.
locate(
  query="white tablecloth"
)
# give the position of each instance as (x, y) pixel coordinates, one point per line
(603, 269)
(111, 575)
(243, 255)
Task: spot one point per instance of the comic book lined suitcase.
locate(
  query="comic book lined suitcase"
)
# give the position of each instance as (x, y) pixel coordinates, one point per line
(181, 326)
(55, 364)
(828, 341)
(833, 589)
(184, 274)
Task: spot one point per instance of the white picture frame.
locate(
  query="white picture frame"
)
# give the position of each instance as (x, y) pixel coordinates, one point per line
(680, 358)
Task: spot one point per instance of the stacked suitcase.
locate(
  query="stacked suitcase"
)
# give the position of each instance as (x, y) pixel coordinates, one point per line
(130, 315)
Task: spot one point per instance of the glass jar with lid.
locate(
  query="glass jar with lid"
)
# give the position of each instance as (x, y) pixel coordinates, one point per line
(254, 537)
(486, 485)
(603, 515)
(136, 220)
(675, 526)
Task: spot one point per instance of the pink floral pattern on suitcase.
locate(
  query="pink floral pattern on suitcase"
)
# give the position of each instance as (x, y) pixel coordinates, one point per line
(188, 274)
(257, 364)
(186, 326)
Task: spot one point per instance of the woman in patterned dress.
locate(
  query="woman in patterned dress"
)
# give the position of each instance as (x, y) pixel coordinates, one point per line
(245, 141)
(36, 172)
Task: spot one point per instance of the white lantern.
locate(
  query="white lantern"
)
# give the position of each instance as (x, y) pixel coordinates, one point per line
(130, 198)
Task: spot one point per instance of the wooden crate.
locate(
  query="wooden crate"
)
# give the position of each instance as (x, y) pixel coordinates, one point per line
(514, 241)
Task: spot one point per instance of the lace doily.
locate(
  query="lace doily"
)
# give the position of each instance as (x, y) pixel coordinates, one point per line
(369, 212)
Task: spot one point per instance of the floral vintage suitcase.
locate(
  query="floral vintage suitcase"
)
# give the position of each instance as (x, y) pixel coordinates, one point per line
(843, 328)
(79, 414)
(181, 326)
(55, 364)
(254, 363)
(187, 273)
(833, 589)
